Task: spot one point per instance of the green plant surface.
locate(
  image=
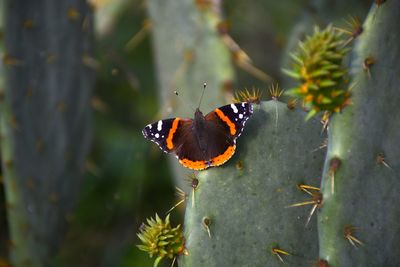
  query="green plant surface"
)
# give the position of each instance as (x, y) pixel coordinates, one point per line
(189, 52)
(45, 121)
(358, 222)
(241, 209)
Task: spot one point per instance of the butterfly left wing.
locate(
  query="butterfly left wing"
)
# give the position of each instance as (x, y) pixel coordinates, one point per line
(162, 133)
(176, 135)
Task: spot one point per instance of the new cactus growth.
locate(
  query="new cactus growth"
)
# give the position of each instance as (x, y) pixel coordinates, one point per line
(317, 64)
(161, 240)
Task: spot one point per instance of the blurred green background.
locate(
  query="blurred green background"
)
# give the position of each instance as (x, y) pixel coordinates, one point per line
(127, 178)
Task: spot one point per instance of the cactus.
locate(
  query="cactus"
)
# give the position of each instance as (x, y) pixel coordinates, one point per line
(318, 65)
(238, 215)
(161, 240)
(362, 160)
(241, 208)
(320, 13)
(45, 121)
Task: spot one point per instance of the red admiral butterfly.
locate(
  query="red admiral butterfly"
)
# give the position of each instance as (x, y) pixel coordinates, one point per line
(204, 141)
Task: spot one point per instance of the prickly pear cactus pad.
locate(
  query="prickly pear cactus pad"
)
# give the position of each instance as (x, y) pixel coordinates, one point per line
(240, 215)
(359, 219)
(45, 120)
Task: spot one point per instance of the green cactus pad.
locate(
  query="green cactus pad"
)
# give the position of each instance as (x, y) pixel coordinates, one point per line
(358, 223)
(45, 121)
(241, 212)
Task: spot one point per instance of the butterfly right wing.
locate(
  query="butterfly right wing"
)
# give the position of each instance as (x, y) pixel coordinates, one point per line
(232, 116)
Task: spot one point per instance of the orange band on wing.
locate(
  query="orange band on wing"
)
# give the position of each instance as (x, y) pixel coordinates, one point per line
(221, 159)
(194, 165)
(225, 119)
(170, 144)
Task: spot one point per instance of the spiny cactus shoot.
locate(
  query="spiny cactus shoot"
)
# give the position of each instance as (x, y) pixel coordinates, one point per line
(160, 240)
(317, 64)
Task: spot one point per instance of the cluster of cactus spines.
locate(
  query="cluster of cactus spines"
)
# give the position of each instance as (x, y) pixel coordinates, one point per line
(358, 221)
(251, 96)
(353, 28)
(317, 64)
(161, 240)
(45, 121)
(242, 208)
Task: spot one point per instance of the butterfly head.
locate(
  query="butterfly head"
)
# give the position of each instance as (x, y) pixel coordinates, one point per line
(198, 115)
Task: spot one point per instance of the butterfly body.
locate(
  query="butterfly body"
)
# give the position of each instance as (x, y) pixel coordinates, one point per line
(204, 141)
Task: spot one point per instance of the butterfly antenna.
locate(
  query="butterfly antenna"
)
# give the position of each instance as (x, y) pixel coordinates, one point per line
(202, 94)
(184, 101)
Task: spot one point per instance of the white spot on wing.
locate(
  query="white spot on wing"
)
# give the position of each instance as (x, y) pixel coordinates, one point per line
(149, 126)
(240, 116)
(159, 125)
(243, 104)
(157, 135)
(234, 108)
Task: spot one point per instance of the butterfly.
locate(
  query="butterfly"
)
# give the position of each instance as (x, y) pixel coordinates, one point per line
(203, 141)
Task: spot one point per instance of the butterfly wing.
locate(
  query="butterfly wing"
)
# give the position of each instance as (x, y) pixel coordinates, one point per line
(162, 133)
(224, 126)
(233, 117)
(178, 136)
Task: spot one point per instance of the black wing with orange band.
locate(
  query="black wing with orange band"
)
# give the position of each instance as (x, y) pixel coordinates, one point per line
(162, 133)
